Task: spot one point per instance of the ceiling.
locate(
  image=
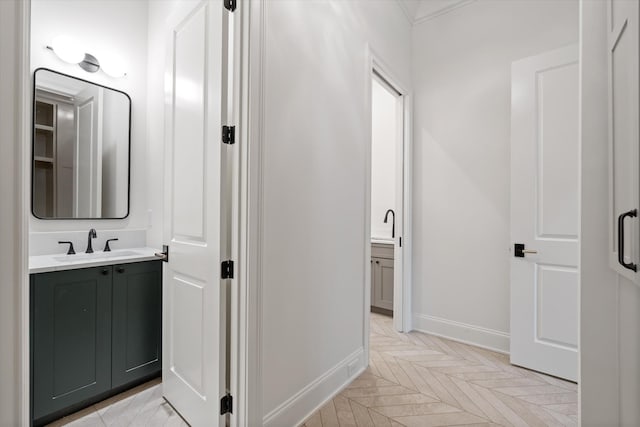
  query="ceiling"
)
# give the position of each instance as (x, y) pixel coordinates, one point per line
(422, 10)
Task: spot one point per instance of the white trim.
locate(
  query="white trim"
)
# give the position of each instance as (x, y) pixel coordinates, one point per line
(478, 336)
(251, 240)
(237, 350)
(24, 193)
(405, 11)
(424, 18)
(415, 19)
(324, 388)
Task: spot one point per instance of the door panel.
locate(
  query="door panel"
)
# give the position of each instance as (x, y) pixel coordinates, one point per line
(194, 328)
(137, 321)
(557, 305)
(624, 132)
(557, 175)
(71, 337)
(545, 212)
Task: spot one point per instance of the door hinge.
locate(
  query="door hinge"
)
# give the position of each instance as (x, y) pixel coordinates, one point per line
(226, 404)
(229, 134)
(227, 269)
(164, 255)
(230, 5)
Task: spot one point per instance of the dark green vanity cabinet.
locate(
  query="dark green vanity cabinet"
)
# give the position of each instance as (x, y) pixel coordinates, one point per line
(137, 321)
(94, 331)
(71, 337)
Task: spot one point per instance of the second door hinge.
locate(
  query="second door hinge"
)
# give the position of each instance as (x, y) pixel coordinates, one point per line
(229, 134)
(227, 270)
(230, 5)
(226, 404)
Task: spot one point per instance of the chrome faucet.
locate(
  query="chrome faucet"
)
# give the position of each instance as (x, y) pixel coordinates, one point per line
(393, 224)
(92, 235)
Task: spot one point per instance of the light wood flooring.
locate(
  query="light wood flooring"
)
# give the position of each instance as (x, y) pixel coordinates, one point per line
(413, 380)
(421, 380)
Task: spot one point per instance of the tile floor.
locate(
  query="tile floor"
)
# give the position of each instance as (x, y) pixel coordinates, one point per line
(413, 380)
(421, 380)
(140, 406)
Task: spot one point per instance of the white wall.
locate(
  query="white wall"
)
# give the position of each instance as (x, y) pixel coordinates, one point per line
(314, 152)
(462, 80)
(106, 27)
(10, 379)
(383, 159)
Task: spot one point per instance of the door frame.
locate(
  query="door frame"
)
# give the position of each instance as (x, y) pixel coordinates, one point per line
(23, 208)
(402, 279)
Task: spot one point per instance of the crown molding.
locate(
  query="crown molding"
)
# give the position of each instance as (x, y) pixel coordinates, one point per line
(405, 11)
(457, 5)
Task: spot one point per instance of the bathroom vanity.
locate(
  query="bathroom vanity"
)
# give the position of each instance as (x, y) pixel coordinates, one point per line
(96, 327)
(382, 277)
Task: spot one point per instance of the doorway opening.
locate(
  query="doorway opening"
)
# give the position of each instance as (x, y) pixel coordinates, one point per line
(386, 191)
(388, 236)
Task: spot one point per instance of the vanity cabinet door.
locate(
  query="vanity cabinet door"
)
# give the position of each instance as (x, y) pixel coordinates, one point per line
(137, 321)
(382, 289)
(71, 337)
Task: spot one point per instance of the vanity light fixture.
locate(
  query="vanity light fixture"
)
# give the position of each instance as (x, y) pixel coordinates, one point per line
(71, 52)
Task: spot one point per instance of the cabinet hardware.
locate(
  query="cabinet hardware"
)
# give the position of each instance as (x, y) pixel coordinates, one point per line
(105, 272)
(120, 270)
(630, 265)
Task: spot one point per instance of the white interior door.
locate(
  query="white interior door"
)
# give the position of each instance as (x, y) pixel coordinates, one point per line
(545, 213)
(88, 153)
(194, 349)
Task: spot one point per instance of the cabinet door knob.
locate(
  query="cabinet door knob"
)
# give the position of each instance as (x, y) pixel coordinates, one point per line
(377, 262)
(105, 271)
(120, 270)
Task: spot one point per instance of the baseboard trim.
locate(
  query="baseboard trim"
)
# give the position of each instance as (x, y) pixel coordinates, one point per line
(457, 331)
(300, 406)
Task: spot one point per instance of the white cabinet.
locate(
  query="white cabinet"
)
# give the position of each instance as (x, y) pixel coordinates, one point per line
(624, 134)
(382, 278)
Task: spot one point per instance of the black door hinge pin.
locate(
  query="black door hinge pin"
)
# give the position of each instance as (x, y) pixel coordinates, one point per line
(226, 404)
(227, 269)
(228, 134)
(230, 5)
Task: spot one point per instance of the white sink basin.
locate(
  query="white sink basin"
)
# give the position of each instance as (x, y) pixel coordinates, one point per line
(95, 255)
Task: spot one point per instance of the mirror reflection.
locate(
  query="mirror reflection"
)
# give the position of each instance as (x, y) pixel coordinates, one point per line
(81, 138)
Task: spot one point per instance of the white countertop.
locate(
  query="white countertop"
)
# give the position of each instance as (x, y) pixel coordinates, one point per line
(59, 262)
(382, 240)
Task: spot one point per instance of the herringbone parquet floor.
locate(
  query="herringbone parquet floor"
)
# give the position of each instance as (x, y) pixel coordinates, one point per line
(421, 380)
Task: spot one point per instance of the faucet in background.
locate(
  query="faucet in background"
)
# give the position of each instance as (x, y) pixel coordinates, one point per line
(393, 224)
(92, 235)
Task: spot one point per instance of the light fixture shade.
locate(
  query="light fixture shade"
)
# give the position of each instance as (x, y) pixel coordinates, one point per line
(112, 66)
(67, 49)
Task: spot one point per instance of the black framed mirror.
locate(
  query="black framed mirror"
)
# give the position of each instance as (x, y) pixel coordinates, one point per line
(81, 149)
